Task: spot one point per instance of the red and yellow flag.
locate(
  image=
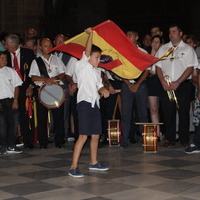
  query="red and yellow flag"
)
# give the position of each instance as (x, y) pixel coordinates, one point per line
(118, 53)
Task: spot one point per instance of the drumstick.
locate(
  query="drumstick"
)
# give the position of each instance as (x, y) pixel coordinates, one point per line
(44, 81)
(51, 95)
(146, 123)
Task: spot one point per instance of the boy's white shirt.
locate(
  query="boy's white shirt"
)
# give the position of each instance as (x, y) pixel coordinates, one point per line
(89, 81)
(9, 79)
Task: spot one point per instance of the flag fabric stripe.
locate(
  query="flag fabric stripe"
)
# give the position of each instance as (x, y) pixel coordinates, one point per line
(124, 45)
(127, 61)
(120, 64)
(73, 49)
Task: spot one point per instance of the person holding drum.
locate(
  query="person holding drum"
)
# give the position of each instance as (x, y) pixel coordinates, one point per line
(90, 85)
(46, 71)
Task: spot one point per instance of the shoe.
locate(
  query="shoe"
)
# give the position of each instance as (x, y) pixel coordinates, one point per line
(102, 138)
(60, 146)
(50, 140)
(100, 145)
(43, 146)
(177, 137)
(123, 146)
(75, 173)
(98, 167)
(105, 142)
(31, 146)
(13, 150)
(70, 139)
(185, 144)
(133, 141)
(3, 151)
(192, 149)
(168, 144)
(19, 143)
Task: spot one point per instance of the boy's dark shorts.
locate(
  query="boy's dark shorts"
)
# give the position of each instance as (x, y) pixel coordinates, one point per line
(89, 119)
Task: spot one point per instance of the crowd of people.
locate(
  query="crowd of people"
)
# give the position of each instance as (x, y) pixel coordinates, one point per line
(165, 89)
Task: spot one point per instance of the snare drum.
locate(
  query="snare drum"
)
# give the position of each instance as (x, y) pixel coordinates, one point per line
(149, 138)
(51, 96)
(114, 132)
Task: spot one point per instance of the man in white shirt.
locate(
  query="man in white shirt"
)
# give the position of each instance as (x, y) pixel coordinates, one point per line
(20, 59)
(178, 66)
(48, 70)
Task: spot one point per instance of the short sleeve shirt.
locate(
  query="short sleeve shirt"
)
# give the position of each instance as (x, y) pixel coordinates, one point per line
(89, 81)
(9, 79)
(54, 67)
(176, 63)
(70, 68)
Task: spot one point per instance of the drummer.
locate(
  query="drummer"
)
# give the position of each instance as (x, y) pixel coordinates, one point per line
(48, 69)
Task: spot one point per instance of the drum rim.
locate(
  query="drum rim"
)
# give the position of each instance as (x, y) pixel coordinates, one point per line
(46, 105)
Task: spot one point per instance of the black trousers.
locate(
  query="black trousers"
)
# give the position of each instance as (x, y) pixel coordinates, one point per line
(183, 94)
(42, 119)
(8, 123)
(26, 125)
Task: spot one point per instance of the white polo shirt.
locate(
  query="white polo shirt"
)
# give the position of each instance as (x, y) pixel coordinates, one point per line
(70, 67)
(176, 63)
(89, 81)
(9, 79)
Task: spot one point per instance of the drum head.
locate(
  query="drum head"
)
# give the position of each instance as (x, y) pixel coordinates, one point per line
(52, 96)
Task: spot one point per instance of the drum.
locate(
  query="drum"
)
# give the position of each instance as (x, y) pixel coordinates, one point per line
(51, 96)
(114, 132)
(149, 138)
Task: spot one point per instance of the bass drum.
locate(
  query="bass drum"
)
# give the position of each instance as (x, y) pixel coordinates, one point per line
(52, 96)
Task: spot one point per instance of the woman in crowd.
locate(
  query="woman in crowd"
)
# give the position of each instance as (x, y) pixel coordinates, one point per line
(154, 84)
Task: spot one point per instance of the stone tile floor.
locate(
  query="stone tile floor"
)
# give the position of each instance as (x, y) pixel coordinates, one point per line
(38, 174)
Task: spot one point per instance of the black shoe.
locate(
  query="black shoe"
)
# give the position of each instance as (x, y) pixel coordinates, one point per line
(3, 150)
(60, 146)
(43, 146)
(133, 141)
(123, 146)
(19, 142)
(185, 144)
(105, 142)
(167, 144)
(31, 146)
(100, 145)
(50, 140)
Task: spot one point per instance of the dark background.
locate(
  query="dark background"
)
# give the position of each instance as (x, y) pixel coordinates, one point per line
(71, 17)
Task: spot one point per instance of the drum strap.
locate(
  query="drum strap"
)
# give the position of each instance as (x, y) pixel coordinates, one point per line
(42, 67)
(65, 58)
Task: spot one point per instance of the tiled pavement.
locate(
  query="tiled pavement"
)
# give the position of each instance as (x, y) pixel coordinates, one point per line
(37, 174)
